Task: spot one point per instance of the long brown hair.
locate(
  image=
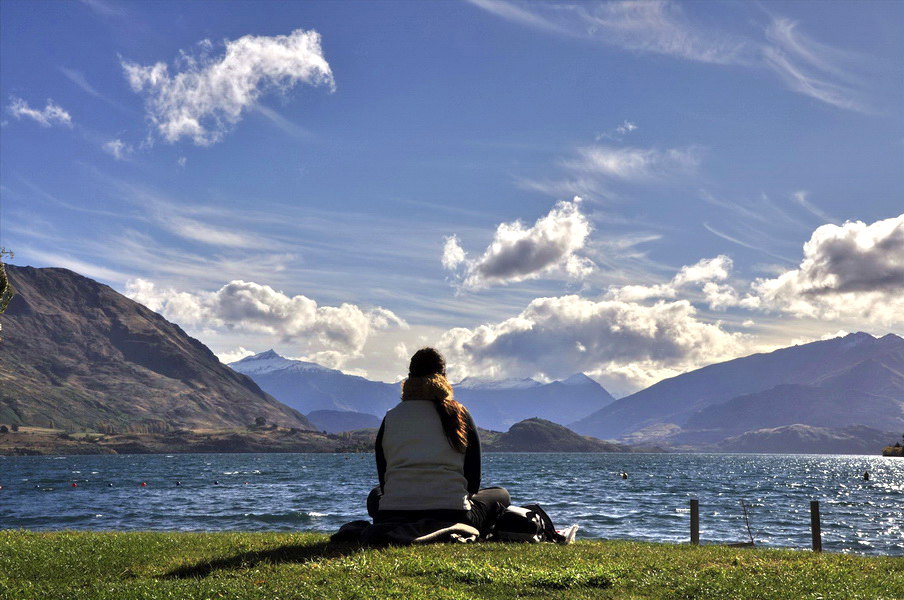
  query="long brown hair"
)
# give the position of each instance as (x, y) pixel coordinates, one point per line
(427, 381)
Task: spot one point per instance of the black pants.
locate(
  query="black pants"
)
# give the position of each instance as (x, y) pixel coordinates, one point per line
(484, 507)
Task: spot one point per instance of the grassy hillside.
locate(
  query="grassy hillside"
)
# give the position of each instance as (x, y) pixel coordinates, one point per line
(122, 566)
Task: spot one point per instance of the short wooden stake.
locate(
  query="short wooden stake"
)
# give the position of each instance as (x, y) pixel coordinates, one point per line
(695, 522)
(815, 526)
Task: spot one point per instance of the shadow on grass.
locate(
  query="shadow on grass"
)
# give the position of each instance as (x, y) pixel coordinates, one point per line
(284, 554)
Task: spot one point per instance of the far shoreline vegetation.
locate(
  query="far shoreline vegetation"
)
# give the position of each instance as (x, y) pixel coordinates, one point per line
(531, 435)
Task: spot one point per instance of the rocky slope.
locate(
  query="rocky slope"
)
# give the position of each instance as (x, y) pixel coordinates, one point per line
(80, 356)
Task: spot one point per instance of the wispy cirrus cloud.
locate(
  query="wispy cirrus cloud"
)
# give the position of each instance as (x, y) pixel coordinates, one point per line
(79, 79)
(51, 114)
(209, 95)
(814, 69)
(645, 26)
(662, 27)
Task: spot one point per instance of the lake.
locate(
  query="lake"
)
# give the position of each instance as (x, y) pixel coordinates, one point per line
(320, 492)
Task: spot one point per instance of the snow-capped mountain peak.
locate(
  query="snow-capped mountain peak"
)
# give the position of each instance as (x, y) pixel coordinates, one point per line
(270, 361)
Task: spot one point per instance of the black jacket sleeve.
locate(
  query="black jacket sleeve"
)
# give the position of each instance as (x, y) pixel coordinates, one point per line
(381, 458)
(472, 458)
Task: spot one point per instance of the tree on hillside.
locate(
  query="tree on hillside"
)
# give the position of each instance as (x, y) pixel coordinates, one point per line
(6, 288)
(260, 422)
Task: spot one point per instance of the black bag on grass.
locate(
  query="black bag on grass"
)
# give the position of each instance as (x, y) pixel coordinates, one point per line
(529, 524)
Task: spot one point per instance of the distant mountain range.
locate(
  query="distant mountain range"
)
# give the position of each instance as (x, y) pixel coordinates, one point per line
(78, 355)
(494, 404)
(854, 380)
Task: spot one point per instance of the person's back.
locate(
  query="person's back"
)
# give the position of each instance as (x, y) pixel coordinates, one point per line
(428, 454)
(423, 471)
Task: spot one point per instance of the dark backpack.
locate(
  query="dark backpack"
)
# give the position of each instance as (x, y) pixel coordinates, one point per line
(528, 523)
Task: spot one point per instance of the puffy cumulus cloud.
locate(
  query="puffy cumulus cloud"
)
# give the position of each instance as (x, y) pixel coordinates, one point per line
(232, 356)
(52, 114)
(518, 252)
(208, 96)
(613, 339)
(854, 270)
(707, 269)
(707, 274)
(330, 334)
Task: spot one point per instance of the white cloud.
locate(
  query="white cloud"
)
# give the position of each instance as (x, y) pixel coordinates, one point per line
(661, 27)
(801, 198)
(234, 355)
(209, 95)
(626, 127)
(635, 164)
(52, 114)
(705, 273)
(707, 269)
(182, 161)
(192, 229)
(555, 337)
(855, 271)
(645, 26)
(810, 68)
(518, 253)
(453, 253)
(332, 334)
(118, 149)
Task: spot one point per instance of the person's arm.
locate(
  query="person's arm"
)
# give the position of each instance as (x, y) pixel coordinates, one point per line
(472, 458)
(381, 459)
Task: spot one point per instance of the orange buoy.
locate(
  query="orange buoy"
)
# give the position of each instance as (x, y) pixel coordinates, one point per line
(143, 484)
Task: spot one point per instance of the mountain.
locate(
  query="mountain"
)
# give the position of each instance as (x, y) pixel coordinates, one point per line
(804, 439)
(78, 355)
(337, 421)
(494, 404)
(844, 381)
(499, 404)
(309, 387)
(540, 435)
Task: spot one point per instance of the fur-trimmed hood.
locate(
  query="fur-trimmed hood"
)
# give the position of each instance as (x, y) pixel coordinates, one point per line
(435, 387)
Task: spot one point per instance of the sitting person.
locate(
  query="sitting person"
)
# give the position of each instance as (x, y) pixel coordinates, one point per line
(428, 455)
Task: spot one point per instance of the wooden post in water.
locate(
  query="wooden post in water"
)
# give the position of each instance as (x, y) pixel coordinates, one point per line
(695, 522)
(815, 526)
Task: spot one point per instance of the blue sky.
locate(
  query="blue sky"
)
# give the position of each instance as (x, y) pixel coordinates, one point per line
(347, 181)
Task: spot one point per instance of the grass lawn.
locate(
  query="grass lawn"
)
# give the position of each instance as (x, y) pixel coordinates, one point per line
(303, 565)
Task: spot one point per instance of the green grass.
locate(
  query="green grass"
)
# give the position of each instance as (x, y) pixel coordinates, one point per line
(276, 566)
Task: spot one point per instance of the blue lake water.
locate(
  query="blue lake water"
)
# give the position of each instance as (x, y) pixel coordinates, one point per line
(283, 492)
